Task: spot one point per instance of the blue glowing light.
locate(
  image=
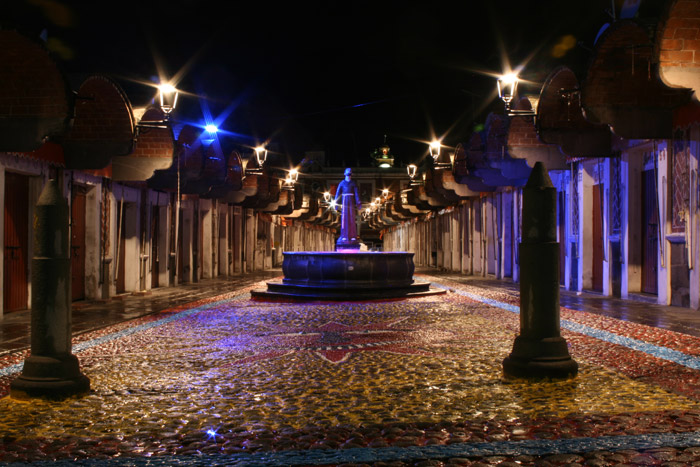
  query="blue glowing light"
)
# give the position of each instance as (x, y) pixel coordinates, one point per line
(212, 434)
(211, 128)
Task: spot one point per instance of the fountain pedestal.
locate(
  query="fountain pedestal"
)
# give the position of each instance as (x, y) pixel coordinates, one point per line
(346, 275)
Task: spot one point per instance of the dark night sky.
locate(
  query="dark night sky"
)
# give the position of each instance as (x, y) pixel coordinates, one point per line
(330, 75)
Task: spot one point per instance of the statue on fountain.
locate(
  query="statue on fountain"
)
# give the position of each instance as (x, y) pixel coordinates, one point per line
(350, 195)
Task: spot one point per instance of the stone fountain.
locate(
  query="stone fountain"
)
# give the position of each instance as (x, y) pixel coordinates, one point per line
(347, 273)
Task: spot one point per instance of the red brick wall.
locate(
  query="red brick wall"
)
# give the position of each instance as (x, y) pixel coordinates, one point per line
(623, 72)
(522, 131)
(32, 85)
(154, 142)
(555, 110)
(102, 112)
(679, 35)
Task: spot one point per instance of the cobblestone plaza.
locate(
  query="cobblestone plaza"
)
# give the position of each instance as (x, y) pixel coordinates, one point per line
(227, 380)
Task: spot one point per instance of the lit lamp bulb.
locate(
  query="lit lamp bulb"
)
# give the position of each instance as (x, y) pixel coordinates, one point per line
(385, 193)
(260, 155)
(507, 87)
(411, 169)
(168, 98)
(294, 175)
(435, 150)
(327, 196)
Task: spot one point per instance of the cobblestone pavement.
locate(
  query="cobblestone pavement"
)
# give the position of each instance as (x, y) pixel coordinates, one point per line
(226, 380)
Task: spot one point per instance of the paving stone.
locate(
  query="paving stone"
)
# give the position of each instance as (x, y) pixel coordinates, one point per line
(333, 377)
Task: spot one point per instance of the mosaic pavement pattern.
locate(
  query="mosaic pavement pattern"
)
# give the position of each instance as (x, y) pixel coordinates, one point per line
(231, 381)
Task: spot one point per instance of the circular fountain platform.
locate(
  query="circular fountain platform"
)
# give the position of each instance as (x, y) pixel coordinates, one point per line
(346, 275)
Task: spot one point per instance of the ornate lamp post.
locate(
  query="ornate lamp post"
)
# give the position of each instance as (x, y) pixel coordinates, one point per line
(539, 351)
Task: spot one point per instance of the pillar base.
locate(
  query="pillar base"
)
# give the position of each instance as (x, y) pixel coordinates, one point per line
(539, 359)
(50, 377)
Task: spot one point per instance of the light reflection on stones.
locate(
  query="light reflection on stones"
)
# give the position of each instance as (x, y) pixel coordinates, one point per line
(161, 390)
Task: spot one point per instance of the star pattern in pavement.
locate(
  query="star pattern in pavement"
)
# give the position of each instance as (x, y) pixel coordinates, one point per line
(334, 342)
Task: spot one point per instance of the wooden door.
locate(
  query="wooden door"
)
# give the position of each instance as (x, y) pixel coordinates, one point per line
(77, 243)
(16, 241)
(196, 244)
(155, 234)
(180, 250)
(597, 234)
(121, 245)
(561, 227)
(650, 233)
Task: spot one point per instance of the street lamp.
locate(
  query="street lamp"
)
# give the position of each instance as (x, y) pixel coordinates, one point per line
(412, 170)
(435, 146)
(291, 179)
(168, 99)
(435, 150)
(507, 88)
(261, 155)
(260, 158)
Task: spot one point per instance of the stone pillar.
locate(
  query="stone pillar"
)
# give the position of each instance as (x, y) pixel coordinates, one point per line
(51, 371)
(539, 351)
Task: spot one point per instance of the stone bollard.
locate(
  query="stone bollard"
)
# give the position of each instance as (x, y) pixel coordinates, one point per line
(51, 371)
(539, 351)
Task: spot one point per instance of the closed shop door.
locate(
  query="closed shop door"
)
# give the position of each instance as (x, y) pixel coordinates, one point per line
(155, 259)
(597, 233)
(650, 233)
(77, 247)
(16, 241)
(121, 246)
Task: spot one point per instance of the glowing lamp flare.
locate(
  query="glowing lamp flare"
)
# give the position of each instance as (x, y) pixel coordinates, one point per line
(293, 175)
(412, 169)
(435, 150)
(260, 155)
(507, 87)
(168, 97)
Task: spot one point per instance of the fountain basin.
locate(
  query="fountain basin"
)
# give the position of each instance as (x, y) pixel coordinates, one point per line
(346, 275)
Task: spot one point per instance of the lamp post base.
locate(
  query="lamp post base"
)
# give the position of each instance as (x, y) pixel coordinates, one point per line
(540, 358)
(50, 377)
